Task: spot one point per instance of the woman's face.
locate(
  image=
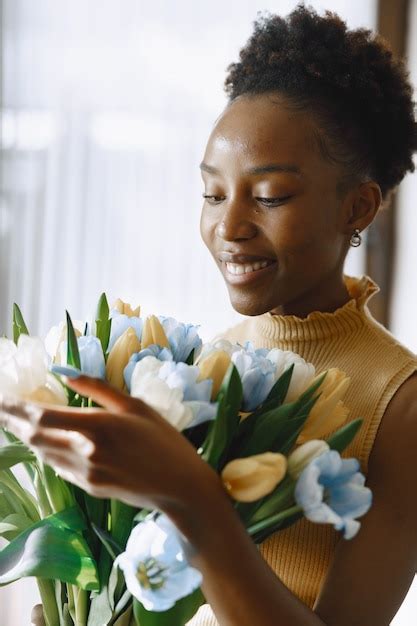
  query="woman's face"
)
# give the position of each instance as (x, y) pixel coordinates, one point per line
(271, 198)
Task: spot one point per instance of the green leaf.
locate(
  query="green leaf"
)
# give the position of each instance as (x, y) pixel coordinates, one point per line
(53, 548)
(103, 322)
(122, 516)
(11, 438)
(96, 511)
(276, 430)
(274, 521)
(282, 497)
(19, 326)
(278, 392)
(262, 535)
(9, 503)
(13, 524)
(18, 495)
(73, 354)
(102, 604)
(103, 309)
(342, 437)
(112, 547)
(15, 453)
(226, 422)
(179, 615)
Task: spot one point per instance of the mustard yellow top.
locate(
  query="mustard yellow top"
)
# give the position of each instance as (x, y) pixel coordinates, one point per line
(352, 340)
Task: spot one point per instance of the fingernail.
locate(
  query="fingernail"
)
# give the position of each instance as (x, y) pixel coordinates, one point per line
(61, 370)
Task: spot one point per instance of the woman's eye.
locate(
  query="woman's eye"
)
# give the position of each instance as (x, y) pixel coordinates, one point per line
(271, 202)
(213, 199)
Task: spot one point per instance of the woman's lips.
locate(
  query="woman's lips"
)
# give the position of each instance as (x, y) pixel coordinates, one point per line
(247, 277)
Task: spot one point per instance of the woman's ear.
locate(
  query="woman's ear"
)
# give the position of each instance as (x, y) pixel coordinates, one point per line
(361, 206)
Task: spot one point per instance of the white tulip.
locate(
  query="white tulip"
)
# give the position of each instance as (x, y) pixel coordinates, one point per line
(302, 375)
(24, 372)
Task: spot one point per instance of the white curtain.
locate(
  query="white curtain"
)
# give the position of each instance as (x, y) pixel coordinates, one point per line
(106, 108)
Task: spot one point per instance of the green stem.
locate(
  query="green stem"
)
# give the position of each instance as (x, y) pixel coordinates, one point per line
(50, 609)
(71, 604)
(44, 504)
(273, 519)
(81, 607)
(57, 489)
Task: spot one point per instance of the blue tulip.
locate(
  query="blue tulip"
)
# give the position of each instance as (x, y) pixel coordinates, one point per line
(183, 338)
(91, 356)
(258, 375)
(331, 491)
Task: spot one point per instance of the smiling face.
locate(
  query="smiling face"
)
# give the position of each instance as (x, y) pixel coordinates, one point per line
(271, 199)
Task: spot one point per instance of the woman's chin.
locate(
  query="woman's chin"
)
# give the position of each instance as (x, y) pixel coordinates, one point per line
(246, 305)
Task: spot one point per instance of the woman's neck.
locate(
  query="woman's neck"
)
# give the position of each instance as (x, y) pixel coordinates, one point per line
(327, 296)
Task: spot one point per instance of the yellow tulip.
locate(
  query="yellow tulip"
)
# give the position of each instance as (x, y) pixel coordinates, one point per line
(126, 309)
(153, 332)
(301, 457)
(329, 412)
(119, 356)
(253, 477)
(214, 366)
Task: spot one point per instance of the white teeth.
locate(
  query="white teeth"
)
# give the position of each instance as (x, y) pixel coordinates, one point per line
(244, 268)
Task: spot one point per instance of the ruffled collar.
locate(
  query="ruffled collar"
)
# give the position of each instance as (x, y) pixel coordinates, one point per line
(349, 317)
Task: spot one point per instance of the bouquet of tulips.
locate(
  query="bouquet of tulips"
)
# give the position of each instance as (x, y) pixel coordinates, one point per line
(263, 419)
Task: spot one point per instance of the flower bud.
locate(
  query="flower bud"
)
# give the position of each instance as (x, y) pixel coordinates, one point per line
(214, 366)
(300, 458)
(153, 333)
(126, 309)
(119, 356)
(253, 477)
(329, 412)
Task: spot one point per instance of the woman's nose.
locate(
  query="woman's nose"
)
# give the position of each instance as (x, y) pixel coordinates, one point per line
(236, 222)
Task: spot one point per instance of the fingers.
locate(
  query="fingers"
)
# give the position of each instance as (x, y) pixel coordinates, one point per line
(106, 395)
(14, 414)
(13, 407)
(51, 440)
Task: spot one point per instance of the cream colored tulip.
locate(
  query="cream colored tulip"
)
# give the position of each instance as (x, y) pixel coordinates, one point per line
(126, 309)
(329, 412)
(214, 366)
(253, 477)
(153, 333)
(302, 456)
(119, 356)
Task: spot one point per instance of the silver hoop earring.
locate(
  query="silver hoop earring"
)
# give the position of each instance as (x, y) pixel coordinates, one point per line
(355, 239)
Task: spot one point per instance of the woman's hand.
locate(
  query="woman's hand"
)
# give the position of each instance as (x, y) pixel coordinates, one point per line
(124, 450)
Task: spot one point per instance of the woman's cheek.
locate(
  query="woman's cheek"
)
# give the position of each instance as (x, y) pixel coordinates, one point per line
(207, 228)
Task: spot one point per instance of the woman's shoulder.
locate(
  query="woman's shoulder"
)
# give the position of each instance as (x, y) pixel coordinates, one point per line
(381, 334)
(398, 428)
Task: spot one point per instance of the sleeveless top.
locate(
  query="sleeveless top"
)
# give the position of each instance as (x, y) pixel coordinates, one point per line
(351, 339)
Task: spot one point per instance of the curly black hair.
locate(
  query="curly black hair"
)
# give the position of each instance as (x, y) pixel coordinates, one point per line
(350, 81)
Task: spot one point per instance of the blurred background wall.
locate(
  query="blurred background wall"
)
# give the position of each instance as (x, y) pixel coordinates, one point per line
(105, 110)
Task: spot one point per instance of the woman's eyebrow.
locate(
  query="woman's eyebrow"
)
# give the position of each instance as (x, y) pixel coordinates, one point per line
(262, 169)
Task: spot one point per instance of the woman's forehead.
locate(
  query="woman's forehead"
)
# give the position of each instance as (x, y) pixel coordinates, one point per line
(261, 128)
